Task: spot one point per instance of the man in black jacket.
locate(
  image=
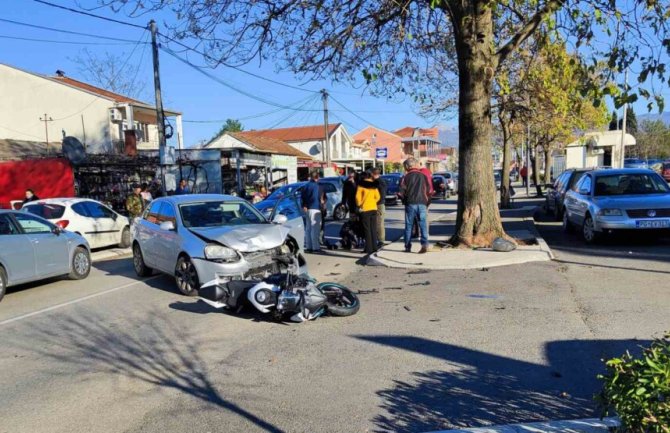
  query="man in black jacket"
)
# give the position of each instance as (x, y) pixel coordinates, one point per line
(382, 186)
(415, 194)
(349, 193)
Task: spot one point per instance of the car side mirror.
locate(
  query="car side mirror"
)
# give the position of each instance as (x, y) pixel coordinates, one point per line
(167, 226)
(280, 219)
(115, 216)
(584, 191)
(57, 230)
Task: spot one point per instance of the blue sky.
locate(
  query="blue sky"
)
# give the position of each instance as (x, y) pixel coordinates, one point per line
(185, 89)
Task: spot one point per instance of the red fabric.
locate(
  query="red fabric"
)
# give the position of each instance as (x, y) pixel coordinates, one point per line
(429, 176)
(49, 178)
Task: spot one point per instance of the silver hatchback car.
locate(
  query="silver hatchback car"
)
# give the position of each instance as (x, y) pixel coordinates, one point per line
(604, 201)
(202, 237)
(31, 249)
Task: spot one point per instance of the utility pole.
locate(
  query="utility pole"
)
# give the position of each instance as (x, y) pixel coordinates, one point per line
(46, 119)
(623, 124)
(160, 118)
(326, 143)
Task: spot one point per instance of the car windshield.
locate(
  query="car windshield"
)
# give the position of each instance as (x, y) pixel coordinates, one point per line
(219, 214)
(392, 180)
(284, 191)
(46, 210)
(630, 184)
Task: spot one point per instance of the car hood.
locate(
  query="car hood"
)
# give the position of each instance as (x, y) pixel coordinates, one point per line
(248, 238)
(634, 201)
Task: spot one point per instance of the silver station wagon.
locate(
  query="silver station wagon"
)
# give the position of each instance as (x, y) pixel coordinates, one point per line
(604, 201)
(202, 237)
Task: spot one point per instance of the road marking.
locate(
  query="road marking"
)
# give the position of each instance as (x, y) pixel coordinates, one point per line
(74, 301)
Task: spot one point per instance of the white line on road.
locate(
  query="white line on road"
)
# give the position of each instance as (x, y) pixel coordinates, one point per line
(74, 301)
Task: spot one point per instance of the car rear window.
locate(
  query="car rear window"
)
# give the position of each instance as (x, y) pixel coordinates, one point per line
(46, 210)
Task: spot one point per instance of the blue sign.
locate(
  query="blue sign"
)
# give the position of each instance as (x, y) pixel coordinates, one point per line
(382, 153)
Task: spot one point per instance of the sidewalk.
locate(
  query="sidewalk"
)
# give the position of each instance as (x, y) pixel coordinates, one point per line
(518, 223)
(590, 425)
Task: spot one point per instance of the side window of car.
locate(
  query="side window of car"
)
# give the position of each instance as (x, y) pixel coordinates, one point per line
(94, 209)
(80, 209)
(328, 187)
(7, 226)
(153, 214)
(167, 213)
(32, 225)
(107, 212)
(584, 184)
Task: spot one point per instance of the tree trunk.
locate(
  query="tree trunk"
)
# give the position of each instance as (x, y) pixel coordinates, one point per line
(548, 161)
(505, 194)
(536, 172)
(478, 219)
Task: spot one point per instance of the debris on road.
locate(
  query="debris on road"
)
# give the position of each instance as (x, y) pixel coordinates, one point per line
(484, 269)
(407, 308)
(392, 288)
(367, 292)
(478, 296)
(424, 283)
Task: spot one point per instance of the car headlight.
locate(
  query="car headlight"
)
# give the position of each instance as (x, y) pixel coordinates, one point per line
(610, 212)
(219, 252)
(285, 249)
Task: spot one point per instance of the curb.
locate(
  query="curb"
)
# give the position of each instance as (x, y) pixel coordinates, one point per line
(588, 425)
(114, 253)
(530, 221)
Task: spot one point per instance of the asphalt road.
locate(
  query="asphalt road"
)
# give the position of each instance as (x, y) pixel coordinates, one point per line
(427, 351)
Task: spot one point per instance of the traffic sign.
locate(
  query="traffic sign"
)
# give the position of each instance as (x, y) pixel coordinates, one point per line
(381, 152)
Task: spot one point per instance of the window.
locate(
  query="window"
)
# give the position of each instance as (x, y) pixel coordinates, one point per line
(80, 209)
(33, 225)
(289, 208)
(46, 210)
(576, 177)
(7, 226)
(630, 184)
(94, 209)
(167, 214)
(584, 185)
(153, 214)
(327, 187)
(219, 214)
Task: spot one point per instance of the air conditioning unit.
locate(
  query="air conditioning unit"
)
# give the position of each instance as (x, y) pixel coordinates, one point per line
(115, 115)
(597, 151)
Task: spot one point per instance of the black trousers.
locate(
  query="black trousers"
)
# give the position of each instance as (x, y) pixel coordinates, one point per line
(369, 220)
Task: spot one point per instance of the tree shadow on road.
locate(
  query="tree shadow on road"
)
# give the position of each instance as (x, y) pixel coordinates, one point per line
(478, 388)
(159, 353)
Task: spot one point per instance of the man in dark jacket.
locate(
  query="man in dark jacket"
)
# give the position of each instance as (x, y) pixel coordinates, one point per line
(349, 192)
(311, 202)
(415, 194)
(382, 186)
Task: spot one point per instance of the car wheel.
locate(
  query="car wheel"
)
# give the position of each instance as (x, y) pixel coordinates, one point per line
(567, 225)
(558, 213)
(125, 238)
(589, 232)
(3, 282)
(186, 276)
(81, 264)
(141, 269)
(340, 212)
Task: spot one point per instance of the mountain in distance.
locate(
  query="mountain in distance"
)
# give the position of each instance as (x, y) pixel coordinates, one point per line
(448, 135)
(664, 116)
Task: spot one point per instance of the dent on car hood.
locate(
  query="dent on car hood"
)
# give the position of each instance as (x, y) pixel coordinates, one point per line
(249, 238)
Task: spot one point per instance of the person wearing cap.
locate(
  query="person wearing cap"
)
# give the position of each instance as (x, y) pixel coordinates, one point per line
(134, 203)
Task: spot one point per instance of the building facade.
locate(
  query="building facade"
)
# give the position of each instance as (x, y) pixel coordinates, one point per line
(597, 149)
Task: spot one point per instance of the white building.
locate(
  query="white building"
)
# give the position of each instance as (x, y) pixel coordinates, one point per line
(310, 139)
(597, 149)
(34, 106)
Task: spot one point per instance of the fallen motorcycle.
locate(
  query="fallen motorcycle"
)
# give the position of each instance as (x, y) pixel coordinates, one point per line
(281, 295)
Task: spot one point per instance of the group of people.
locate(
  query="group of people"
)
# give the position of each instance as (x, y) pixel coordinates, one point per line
(141, 196)
(364, 197)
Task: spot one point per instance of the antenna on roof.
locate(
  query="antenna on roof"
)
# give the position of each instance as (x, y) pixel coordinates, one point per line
(60, 73)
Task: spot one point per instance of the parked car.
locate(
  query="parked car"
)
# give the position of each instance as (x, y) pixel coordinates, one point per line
(202, 237)
(97, 223)
(604, 201)
(556, 191)
(497, 178)
(440, 188)
(333, 197)
(665, 171)
(393, 183)
(634, 163)
(452, 181)
(33, 249)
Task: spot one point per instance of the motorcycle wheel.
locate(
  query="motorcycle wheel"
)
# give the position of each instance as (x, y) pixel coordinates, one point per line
(341, 301)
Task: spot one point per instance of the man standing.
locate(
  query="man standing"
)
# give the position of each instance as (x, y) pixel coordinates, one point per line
(349, 192)
(182, 188)
(311, 202)
(382, 186)
(134, 203)
(415, 194)
(367, 197)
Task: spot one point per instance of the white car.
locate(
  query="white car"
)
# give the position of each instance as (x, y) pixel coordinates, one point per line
(98, 224)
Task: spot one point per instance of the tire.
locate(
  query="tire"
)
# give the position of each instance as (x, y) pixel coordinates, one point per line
(558, 214)
(186, 276)
(589, 234)
(567, 225)
(141, 269)
(341, 302)
(3, 282)
(340, 212)
(81, 264)
(125, 238)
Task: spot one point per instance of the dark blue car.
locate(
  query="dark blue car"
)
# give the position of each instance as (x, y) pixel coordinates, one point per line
(393, 182)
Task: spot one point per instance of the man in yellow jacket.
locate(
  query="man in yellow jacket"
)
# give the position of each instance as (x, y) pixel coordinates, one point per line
(367, 196)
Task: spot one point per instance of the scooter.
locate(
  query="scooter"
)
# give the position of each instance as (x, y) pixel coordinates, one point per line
(283, 294)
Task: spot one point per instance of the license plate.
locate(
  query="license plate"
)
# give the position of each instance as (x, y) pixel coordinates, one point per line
(656, 224)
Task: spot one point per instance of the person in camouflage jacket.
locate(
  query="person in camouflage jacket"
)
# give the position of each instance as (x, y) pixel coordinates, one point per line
(134, 203)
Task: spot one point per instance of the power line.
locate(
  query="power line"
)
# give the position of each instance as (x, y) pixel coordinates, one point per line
(253, 116)
(18, 23)
(64, 42)
(89, 14)
(351, 112)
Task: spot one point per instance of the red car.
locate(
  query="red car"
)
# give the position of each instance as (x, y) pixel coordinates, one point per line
(665, 171)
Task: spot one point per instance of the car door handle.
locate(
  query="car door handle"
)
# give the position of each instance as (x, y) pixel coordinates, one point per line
(35, 241)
